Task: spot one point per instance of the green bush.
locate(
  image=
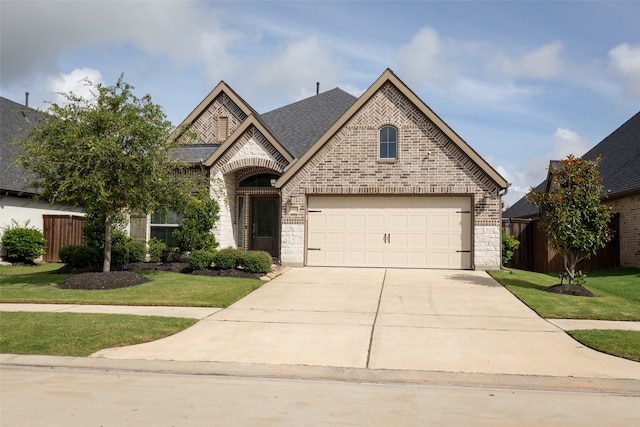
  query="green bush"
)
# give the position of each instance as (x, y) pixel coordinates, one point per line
(256, 261)
(199, 215)
(79, 256)
(128, 251)
(158, 250)
(227, 258)
(509, 245)
(200, 259)
(23, 243)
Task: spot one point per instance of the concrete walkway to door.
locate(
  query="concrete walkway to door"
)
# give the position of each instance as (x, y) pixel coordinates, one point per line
(419, 320)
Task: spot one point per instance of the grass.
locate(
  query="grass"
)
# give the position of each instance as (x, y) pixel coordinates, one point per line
(617, 297)
(617, 294)
(618, 343)
(24, 284)
(76, 334)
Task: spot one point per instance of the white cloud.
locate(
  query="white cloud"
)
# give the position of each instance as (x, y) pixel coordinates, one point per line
(295, 70)
(184, 32)
(624, 59)
(567, 142)
(522, 177)
(74, 82)
(542, 63)
(421, 59)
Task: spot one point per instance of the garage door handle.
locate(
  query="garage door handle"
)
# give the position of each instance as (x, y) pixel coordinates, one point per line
(389, 238)
(384, 239)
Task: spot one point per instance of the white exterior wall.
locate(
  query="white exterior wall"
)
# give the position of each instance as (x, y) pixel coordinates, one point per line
(292, 245)
(487, 247)
(23, 210)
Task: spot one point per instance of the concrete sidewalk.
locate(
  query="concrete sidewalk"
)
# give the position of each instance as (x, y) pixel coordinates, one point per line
(188, 312)
(202, 312)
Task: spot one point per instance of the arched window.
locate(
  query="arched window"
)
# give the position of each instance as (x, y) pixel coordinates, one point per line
(259, 180)
(388, 142)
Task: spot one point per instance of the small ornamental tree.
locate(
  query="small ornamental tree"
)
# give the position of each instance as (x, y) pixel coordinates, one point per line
(572, 213)
(105, 153)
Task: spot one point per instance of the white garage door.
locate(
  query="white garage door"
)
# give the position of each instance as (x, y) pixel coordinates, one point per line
(418, 232)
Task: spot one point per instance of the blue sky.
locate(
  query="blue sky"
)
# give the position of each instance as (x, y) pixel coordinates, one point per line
(522, 82)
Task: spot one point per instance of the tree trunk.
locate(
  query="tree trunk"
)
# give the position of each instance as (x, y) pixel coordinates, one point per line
(106, 264)
(571, 261)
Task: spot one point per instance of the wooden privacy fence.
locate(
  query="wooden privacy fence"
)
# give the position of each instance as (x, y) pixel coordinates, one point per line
(59, 231)
(534, 253)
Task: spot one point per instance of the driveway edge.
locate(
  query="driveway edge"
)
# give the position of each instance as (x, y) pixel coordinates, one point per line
(324, 373)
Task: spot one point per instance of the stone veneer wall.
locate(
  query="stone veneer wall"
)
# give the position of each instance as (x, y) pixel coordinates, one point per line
(250, 154)
(629, 210)
(428, 163)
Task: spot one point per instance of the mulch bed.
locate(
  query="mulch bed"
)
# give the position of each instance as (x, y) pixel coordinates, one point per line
(92, 278)
(101, 281)
(566, 289)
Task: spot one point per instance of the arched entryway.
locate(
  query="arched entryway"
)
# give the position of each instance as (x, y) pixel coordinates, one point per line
(258, 212)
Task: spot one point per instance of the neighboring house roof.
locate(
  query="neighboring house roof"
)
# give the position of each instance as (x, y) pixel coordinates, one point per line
(389, 76)
(302, 123)
(619, 166)
(16, 121)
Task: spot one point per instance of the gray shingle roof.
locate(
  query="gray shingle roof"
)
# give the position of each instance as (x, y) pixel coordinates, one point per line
(195, 153)
(16, 121)
(619, 167)
(297, 126)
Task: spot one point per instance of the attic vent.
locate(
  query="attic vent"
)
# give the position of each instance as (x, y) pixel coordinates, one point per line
(223, 128)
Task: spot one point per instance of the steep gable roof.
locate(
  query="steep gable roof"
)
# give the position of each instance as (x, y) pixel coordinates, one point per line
(252, 120)
(300, 124)
(220, 88)
(16, 121)
(389, 76)
(619, 166)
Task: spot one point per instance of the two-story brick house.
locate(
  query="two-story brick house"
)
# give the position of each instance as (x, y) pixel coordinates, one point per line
(334, 180)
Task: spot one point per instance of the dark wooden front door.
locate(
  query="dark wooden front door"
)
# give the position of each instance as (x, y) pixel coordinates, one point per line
(264, 224)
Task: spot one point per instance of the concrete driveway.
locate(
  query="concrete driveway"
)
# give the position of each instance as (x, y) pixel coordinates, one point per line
(421, 320)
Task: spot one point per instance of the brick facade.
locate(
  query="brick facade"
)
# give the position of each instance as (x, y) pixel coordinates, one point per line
(629, 210)
(428, 163)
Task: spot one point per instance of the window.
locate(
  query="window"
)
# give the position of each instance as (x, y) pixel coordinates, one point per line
(388, 142)
(259, 180)
(240, 242)
(163, 225)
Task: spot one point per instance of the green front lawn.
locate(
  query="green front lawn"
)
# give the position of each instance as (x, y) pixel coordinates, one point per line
(617, 297)
(618, 343)
(77, 334)
(39, 285)
(617, 294)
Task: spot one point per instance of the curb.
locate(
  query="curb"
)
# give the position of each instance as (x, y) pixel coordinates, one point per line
(619, 386)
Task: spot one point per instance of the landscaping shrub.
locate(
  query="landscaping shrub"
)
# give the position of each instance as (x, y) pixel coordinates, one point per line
(158, 250)
(256, 261)
(128, 251)
(227, 258)
(23, 243)
(509, 245)
(79, 256)
(200, 259)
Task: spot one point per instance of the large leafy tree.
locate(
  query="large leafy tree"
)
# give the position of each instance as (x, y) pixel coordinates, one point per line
(106, 153)
(572, 212)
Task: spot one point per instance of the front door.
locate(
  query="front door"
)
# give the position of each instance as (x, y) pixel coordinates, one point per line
(264, 224)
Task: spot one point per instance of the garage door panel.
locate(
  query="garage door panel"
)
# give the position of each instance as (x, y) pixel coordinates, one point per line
(422, 232)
